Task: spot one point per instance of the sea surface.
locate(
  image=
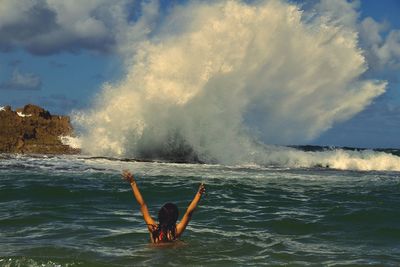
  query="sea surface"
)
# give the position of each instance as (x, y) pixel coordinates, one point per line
(76, 211)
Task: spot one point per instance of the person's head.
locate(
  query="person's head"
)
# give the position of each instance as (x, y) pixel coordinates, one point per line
(168, 214)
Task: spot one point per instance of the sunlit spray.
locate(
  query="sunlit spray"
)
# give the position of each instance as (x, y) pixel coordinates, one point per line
(217, 79)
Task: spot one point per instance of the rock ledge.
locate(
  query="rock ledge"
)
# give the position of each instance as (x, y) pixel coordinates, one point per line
(33, 130)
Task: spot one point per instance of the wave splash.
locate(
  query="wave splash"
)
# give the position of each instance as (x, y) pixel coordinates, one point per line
(214, 78)
(341, 159)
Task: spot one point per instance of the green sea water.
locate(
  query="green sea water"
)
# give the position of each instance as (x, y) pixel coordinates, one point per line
(76, 211)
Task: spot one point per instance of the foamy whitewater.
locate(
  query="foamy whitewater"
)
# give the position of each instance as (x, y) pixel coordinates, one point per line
(214, 81)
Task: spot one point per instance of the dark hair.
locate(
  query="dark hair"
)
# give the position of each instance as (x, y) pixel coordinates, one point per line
(166, 228)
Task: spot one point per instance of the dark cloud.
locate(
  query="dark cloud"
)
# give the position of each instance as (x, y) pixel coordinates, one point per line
(26, 27)
(22, 82)
(46, 27)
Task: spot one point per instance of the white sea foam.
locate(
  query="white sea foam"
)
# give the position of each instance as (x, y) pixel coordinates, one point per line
(2, 108)
(365, 160)
(217, 76)
(71, 141)
(23, 115)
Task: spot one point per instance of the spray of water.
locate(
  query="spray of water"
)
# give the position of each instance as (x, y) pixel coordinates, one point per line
(215, 78)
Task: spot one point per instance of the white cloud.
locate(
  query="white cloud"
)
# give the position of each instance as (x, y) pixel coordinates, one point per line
(371, 31)
(22, 81)
(340, 12)
(382, 52)
(381, 44)
(13, 11)
(51, 26)
(76, 17)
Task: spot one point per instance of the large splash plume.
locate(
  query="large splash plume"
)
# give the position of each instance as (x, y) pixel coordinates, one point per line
(213, 79)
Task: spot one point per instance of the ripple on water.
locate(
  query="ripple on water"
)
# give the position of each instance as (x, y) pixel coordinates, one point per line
(78, 212)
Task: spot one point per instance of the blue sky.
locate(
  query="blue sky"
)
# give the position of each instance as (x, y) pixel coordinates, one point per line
(63, 71)
(379, 124)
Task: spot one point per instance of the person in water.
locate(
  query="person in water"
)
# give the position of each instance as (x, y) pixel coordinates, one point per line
(166, 230)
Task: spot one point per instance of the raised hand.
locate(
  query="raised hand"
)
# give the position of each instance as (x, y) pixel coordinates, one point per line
(127, 176)
(202, 189)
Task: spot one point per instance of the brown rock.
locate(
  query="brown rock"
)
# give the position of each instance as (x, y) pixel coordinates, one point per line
(37, 131)
(34, 111)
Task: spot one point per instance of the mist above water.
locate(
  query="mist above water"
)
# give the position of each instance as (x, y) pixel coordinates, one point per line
(215, 81)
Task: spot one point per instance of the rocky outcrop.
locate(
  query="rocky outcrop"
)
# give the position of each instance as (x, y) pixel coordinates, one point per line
(33, 130)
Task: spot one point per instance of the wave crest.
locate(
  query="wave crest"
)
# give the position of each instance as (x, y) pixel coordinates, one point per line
(217, 77)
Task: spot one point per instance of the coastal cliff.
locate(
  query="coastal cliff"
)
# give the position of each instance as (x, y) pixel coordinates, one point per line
(33, 130)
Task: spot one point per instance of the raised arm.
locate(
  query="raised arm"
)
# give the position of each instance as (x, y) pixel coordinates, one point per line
(143, 207)
(189, 212)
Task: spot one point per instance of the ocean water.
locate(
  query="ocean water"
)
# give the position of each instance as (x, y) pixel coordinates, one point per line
(76, 211)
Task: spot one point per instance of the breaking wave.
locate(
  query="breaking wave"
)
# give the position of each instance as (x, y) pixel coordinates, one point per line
(342, 159)
(213, 79)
